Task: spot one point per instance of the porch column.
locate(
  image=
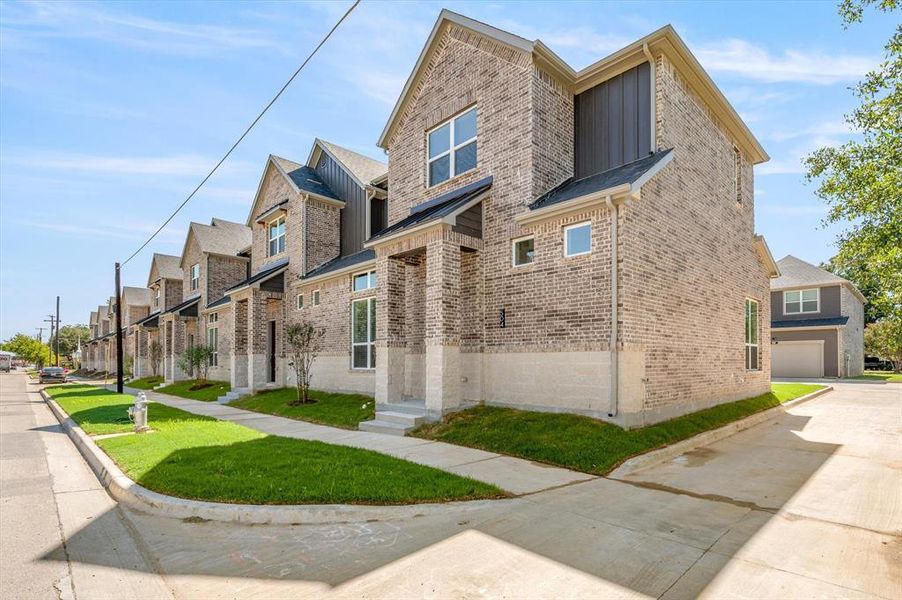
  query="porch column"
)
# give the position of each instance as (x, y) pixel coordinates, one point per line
(391, 344)
(238, 356)
(257, 332)
(442, 327)
(178, 347)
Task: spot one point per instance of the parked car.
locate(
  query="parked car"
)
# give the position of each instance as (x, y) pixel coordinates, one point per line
(872, 363)
(53, 375)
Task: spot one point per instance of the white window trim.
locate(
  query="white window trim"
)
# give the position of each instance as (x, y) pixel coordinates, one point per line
(368, 272)
(748, 345)
(371, 346)
(194, 283)
(270, 240)
(214, 356)
(452, 148)
(801, 310)
(299, 302)
(575, 226)
(315, 298)
(514, 243)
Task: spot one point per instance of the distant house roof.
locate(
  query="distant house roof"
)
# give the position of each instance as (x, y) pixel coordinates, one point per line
(167, 267)
(336, 265)
(362, 168)
(220, 237)
(135, 296)
(438, 208)
(93, 319)
(633, 174)
(268, 271)
(796, 273)
(837, 321)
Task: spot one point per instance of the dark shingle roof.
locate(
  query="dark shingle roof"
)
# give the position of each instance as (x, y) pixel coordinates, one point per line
(810, 322)
(438, 207)
(305, 178)
(624, 174)
(264, 274)
(342, 262)
(221, 302)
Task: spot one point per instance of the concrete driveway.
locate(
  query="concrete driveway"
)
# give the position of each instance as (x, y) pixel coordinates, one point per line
(809, 505)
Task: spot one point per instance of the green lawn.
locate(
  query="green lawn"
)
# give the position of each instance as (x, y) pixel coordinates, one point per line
(339, 410)
(145, 383)
(586, 444)
(881, 376)
(209, 393)
(197, 457)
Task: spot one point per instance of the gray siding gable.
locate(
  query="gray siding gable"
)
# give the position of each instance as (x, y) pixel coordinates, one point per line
(353, 215)
(830, 306)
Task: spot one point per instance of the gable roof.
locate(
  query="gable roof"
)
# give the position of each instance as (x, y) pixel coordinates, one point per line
(102, 311)
(93, 319)
(665, 40)
(301, 179)
(362, 169)
(796, 273)
(167, 265)
(221, 237)
(135, 296)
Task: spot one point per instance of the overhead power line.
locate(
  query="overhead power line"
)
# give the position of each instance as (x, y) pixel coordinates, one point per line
(243, 135)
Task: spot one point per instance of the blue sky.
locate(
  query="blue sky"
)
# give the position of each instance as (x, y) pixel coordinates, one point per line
(111, 113)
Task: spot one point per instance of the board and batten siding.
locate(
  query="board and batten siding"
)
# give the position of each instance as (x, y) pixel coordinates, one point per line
(612, 122)
(353, 215)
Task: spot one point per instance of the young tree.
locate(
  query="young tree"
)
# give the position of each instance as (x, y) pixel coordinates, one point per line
(861, 180)
(303, 342)
(883, 339)
(156, 356)
(196, 359)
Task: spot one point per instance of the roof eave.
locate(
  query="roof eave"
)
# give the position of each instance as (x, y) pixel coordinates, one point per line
(773, 270)
(336, 273)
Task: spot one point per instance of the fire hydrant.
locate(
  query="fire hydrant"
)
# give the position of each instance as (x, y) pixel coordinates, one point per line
(138, 413)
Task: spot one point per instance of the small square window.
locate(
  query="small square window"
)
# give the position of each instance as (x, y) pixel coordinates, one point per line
(524, 251)
(578, 239)
(315, 297)
(300, 301)
(364, 281)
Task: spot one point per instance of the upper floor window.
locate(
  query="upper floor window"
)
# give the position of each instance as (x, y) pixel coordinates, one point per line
(213, 318)
(364, 281)
(315, 297)
(195, 276)
(752, 349)
(802, 301)
(452, 147)
(578, 239)
(276, 230)
(524, 251)
(156, 297)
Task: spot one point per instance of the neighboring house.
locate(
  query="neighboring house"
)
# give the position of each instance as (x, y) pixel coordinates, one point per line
(136, 306)
(553, 240)
(305, 219)
(164, 282)
(210, 263)
(817, 323)
(90, 348)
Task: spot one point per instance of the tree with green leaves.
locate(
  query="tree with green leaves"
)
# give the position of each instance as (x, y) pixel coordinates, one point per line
(69, 337)
(884, 340)
(155, 351)
(196, 359)
(861, 180)
(28, 348)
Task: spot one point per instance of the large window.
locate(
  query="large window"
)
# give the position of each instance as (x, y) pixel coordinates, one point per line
(524, 251)
(363, 334)
(213, 339)
(195, 276)
(364, 281)
(578, 239)
(801, 301)
(752, 348)
(276, 230)
(452, 147)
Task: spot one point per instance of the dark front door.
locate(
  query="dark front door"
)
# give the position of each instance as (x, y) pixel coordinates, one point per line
(271, 352)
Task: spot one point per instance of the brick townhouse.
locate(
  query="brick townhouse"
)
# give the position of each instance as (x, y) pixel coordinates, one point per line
(210, 262)
(164, 284)
(541, 238)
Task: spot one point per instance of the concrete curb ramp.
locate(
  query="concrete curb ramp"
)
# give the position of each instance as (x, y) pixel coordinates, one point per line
(125, 491)
(655, 457)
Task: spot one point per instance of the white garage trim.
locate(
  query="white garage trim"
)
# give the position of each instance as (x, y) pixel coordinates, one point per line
(820, 354)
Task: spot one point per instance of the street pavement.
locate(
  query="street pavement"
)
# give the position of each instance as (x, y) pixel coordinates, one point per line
(806, 505)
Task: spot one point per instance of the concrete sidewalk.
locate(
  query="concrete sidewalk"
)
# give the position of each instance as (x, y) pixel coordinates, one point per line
(514, 475)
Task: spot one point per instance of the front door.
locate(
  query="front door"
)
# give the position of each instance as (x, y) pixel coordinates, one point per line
(271, 353)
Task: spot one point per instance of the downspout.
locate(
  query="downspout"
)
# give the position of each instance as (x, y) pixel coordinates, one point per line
(306, 200)
(615, 370)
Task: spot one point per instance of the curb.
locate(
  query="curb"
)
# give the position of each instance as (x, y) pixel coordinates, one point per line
(655, 457)
(127, 492)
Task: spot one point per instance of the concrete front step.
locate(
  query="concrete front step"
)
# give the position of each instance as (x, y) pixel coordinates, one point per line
(387, 427)
(402, 418)
(232, 395)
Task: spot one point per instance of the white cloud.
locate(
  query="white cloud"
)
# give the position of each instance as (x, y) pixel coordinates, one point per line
(823, 131)
(121, 231)
(175, 165)
(747, 60)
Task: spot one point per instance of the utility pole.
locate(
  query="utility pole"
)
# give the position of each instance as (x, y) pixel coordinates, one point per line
(119, 366)
(57, 331)
(52, 320)
(41, 334)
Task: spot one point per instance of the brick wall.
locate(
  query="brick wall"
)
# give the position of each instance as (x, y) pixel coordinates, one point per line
(191, 256)
(322, 231)
(276, 189)
(172, 292)
(221, 274)
(852, 333)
